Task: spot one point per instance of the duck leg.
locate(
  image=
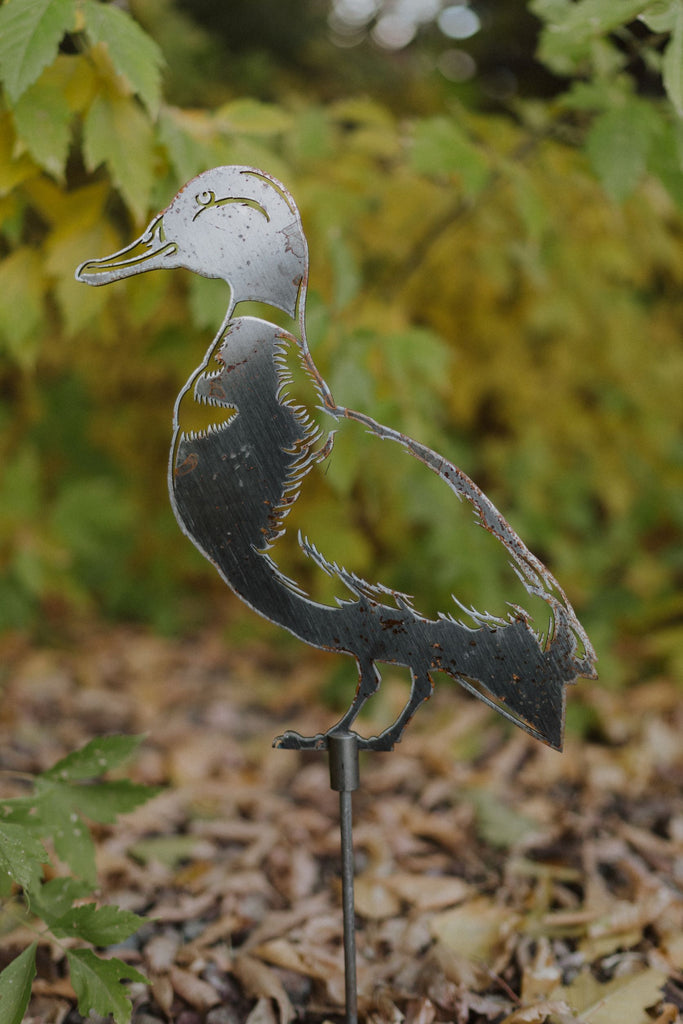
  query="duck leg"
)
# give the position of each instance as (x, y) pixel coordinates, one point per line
(420, 691)
(369, 680)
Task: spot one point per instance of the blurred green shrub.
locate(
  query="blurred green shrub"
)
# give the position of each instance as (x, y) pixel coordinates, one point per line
(504, 286)
(52, 907)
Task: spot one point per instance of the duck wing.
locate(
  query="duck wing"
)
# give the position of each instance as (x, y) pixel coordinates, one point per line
(463, 560)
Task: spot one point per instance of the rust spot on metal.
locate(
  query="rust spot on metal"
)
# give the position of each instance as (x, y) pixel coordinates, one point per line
(230, 367)
(216, 391)
(188, 465)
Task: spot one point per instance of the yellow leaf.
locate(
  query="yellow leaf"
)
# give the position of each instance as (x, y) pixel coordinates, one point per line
(475, 929)
(623, 999)
(13, 168)
(68, 246)
(21, 277)
(80, 207)
(602, 945)
(74, 78)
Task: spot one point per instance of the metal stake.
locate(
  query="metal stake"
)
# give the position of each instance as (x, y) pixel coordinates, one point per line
(344, 779)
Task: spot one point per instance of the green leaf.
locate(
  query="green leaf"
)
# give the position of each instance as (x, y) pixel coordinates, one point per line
(660, 16)
(673, 62)
(105, 801)
(94, 759)
(618, 145)
(59, 819)
(572, 27)
(103, 926)
(20, 496)
(43, 121)
(15, 986)
(167, 850)
(593, 96)
(311, 137)
(51, 900)
(252, 117)
(497, 823)
(93, 517)
(347, 277)
(64, 793)
(183, 133)
(441, 147)
(134, 54)
(666, 159)
(18, 811)
(116, 132)
(72, 840)
(97, 984)
(22, 855)
(30, 33)
(207, 301)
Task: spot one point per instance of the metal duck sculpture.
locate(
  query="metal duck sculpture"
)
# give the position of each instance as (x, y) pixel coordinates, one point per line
(233, 484)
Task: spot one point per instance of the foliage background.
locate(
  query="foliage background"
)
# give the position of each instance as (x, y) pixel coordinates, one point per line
(497, 270)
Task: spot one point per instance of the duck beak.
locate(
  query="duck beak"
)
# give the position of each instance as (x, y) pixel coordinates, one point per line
(149, 252)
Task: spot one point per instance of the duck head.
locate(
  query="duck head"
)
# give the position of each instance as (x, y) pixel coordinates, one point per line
(234, 223)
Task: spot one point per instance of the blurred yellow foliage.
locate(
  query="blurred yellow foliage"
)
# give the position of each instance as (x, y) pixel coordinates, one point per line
(471, 284)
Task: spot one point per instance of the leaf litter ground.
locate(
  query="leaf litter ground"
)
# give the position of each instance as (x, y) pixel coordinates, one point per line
(497, 881)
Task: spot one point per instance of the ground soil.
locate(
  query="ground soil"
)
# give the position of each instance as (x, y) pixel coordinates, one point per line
(496, 880)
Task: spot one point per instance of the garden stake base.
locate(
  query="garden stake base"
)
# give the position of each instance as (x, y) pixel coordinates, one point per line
(344, 779)
(342, 747)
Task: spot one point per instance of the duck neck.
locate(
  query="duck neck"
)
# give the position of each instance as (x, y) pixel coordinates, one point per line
(199, 370)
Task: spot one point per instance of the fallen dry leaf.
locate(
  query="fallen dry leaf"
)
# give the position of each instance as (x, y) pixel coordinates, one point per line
(238, 869)
(161, 950)
(282, 953)
(542, 975)
(263, 983)
(193, 990)
(539, 1013)
(624, 999)
(262, 1013)
(474, 929)
(669, 1015)
(374, 898)
(425, 892)
(162, 990)
(420, 1011)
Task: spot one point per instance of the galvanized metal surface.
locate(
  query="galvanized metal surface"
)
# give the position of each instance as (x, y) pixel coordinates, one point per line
(233, 484)
(345, 780)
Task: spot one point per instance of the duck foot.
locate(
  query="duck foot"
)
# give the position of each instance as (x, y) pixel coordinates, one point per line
(291, 740)
(384, 742)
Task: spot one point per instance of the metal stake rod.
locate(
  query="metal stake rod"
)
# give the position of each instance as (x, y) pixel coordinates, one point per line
(344, 779)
